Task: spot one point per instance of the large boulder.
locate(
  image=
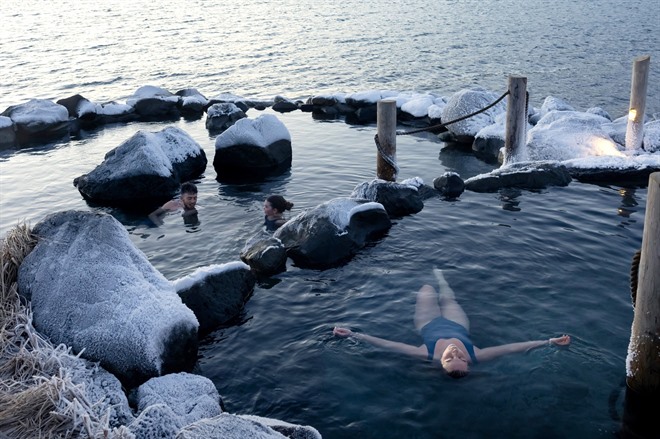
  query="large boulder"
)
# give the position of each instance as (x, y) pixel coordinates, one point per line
(80, 108)
(91, 289)
(229, 426)
(221, 116)
(565, 135)
(467, 101)
(523, 175)
(253, 149)
(398, 199)
(155, 103)
(333, 231)
(651, 142)
(144, 170)
(7, 133)
(192, 102)
(168, 403)
(216, 293)
(38, 120)
(633, 170)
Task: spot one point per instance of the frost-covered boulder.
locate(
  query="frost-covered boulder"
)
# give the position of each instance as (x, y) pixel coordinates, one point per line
(449, 184)
(154, 103)
(99, 387)
(467, 101)
(115, 112)
(229, 426)
(292, 431)
(610, 169)
(564, 135)
(253, 149)
(365, 104)
(333, 231)
(192, 102)
(489, 141)
(38, 120)
(241, 102)
(398, 199)
(221, 116)
(417, 106)
(523, 175)
(7, 132)
(651, 141)
(145, 169)
(265, 255)
(216, 293)
(188, 397)
(158, 421)
(80, 108)
(600, 112)
(91, 289)
(552, 103)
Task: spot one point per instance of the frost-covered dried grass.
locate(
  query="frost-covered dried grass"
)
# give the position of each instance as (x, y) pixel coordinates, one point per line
(38, 395)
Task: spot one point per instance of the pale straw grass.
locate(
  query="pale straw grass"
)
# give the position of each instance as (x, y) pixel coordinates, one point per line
(38, 398)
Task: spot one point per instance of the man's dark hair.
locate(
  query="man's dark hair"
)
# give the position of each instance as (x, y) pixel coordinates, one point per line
(188, 188)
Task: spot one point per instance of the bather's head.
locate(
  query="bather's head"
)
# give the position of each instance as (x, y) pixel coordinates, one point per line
(188, 195)
(454, 361)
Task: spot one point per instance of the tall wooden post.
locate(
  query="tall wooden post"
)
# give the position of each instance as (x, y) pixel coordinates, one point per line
(643, 362)
(386, 114)
(640, 78)
(516, 121)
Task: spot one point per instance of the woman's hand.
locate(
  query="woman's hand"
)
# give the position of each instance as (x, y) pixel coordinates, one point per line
(564, 340)
(342, 332)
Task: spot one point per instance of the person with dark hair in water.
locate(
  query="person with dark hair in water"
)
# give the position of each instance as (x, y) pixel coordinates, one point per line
(274, 208)
(186, 202)
(445, 330)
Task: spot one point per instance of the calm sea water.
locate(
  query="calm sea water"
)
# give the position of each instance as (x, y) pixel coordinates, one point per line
(524, 265)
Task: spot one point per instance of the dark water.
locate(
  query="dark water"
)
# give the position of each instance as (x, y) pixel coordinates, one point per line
(524, 265)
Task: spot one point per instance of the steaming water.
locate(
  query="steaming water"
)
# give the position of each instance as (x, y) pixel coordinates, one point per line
(524, 265)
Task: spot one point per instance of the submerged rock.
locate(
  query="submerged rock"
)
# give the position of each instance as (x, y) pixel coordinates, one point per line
(221, 116)
(91, 289)
(449, 184)
(265, 255)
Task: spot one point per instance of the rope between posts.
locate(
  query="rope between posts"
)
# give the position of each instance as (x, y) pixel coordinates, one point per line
(390, 161)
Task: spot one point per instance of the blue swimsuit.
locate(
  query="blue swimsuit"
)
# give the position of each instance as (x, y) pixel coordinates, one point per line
(271, 225)
(439, 328)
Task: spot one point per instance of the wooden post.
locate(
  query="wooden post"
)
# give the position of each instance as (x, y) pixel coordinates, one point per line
(643, 362)
(516, 121)
(386, 114)
(640, 77)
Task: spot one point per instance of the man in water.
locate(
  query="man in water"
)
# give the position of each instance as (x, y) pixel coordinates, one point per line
(445, 330)
(186, 202)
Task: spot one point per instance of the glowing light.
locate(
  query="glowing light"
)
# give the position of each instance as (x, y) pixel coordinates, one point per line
(601, 146)
(632, 114)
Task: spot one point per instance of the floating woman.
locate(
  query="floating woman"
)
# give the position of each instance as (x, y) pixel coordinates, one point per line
(445, 330)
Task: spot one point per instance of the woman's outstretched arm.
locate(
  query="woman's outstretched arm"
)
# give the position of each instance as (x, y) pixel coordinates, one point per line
(395, 346)
(511, 348)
